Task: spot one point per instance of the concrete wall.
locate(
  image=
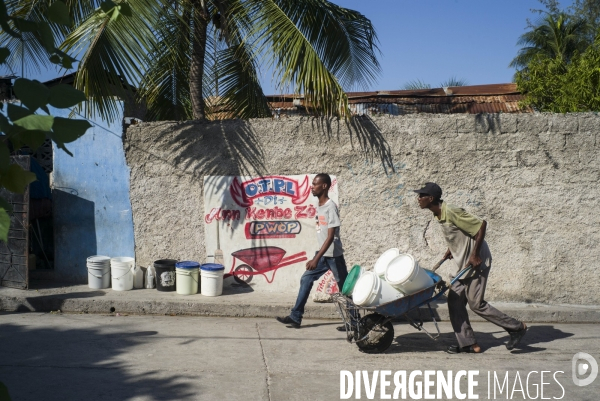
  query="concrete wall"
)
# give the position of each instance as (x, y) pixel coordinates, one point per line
(92, 211)
(534, 178)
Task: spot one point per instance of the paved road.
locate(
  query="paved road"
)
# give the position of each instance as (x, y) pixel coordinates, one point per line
(103, 357)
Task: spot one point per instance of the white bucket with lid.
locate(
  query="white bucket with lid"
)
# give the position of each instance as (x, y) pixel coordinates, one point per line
(384, 260)
(404, 274)
(211, 282)
(187, 277)
(370, 290)
(121, 270)
(98, 268)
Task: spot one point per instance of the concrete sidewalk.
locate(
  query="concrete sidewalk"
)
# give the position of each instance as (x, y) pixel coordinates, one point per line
(45, 296)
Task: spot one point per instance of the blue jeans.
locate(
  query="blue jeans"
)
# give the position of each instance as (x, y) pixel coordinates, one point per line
(336, 264)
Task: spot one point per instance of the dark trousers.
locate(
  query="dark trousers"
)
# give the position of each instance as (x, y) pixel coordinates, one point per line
(471, 291)
(336, 264)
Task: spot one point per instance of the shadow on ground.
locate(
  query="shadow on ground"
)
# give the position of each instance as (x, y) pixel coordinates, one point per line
(420, 342)
(54, 302)
(81, 364)
(51, 284)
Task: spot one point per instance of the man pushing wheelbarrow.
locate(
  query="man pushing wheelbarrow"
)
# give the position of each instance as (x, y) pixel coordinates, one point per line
(464, 234)
(330, 255)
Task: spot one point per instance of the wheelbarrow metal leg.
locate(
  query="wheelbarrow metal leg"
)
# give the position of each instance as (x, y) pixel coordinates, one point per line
(420, 325)
(434, 322)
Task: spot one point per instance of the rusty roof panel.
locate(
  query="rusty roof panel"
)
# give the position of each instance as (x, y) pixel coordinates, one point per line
(440, 100)
(282, 105)
(436, 108)
(496, 98)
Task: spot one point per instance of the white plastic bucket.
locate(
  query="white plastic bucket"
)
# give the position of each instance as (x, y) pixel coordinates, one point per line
(98, 268)
(187, 277)
(121, 270)
(404, 274)
(370, 290)
(383, 261)
(211, 282)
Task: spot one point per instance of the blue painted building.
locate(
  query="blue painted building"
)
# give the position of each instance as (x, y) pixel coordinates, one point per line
(91, 204)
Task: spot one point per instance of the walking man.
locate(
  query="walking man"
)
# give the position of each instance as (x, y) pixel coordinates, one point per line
(330, 255)
(464, 234)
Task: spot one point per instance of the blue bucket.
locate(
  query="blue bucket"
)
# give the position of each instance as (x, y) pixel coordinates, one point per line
(187, 277)
(211, 283)
(212, 267)
(187, 264)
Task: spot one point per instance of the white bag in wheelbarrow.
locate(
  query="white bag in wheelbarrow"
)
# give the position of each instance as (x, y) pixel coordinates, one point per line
(370, 290)
(404, 274)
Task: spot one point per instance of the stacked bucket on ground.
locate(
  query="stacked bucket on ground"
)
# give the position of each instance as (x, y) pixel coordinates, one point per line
(394, 276)
(121, 270)
(184, 277)
(98, 268)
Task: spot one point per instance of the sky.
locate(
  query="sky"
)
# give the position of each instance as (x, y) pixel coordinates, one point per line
(434, 40)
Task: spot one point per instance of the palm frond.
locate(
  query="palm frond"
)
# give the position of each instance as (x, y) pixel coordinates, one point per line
(344, 39)
(113, 54)
(557, 36)
(165, 86)
(242, 94)
(79, 10)
(294, 59)
(453, 81)
(26, 54)
(416, 84)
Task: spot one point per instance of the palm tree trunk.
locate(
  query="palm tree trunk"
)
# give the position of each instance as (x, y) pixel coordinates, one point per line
(197, 62)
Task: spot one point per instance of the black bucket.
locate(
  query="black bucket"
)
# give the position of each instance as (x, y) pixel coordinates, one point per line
(165, 274)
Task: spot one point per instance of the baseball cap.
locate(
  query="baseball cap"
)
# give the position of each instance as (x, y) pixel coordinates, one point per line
(430, 188)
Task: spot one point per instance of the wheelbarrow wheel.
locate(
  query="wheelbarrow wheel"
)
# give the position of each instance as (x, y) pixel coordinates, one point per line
(243, 274)
(378, 337)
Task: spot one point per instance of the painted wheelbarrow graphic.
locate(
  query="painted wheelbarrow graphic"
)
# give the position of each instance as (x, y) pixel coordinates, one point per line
(261, 260)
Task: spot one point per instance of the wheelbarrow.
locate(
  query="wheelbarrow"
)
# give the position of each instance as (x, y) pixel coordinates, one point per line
(374, 332)
(261, 260)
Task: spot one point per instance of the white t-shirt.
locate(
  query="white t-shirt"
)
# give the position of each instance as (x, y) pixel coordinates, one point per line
(328, 217)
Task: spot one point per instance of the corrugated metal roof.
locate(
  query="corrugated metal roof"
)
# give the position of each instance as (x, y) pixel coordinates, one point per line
(493, 98)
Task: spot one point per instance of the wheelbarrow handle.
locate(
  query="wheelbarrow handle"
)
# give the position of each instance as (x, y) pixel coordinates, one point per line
(438, 264)
(460, 274)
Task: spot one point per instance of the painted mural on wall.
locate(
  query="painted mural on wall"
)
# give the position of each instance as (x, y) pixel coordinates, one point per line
(263, 226)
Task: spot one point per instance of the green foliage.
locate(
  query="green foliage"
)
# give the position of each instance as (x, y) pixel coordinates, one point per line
(587, 10)
(33, 94)
(15, 179)
(3, 390)
(58, 13)
(416, 84)
(552, 85)
(65, 130)
(21, 125)
(4, 227)
(453, 81)
(559, 36)
(65, 96)
(181, 54)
